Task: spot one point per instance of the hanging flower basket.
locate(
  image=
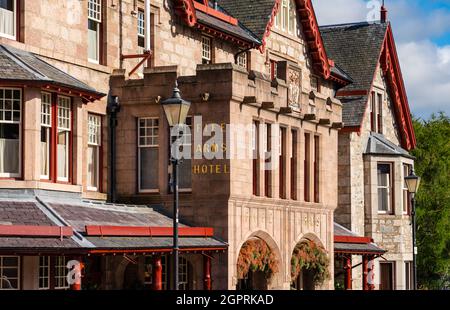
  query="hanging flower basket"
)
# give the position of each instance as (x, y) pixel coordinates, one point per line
(256, 255)
(310, 256)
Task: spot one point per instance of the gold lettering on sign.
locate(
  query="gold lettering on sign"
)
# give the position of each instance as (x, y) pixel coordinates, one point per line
(210, 169)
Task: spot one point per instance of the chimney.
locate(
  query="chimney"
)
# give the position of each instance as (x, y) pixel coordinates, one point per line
(384, 14)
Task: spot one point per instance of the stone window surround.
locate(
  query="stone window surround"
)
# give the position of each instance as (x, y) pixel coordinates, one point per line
(370, 184)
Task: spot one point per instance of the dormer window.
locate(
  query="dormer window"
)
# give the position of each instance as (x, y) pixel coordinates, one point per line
(286, 18)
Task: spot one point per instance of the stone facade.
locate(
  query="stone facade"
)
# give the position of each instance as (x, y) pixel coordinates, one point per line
(358, 193)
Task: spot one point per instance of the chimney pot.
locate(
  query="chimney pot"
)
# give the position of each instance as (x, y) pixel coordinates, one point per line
(384, 14)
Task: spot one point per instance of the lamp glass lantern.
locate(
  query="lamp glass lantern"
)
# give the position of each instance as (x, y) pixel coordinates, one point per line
(412, 182)
(176, 108)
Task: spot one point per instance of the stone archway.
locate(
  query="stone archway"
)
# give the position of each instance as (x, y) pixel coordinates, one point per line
(309, 264)
(258, 263)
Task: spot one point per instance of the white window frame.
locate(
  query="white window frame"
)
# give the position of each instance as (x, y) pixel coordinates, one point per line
(44, 272)
(46, 122)
(61, 271)
(183, 264)
(94, 141)
(152, 144)
(14, 36)
(405, 192)
(242, 60)
(207, 53)
(95, 15)
(283, 18)
(389, 188)
(12, 121)
(64, 124)
(18, 267)
(141, 26)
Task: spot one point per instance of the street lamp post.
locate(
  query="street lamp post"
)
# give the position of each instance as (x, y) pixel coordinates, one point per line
(176, 110)
(412, 183)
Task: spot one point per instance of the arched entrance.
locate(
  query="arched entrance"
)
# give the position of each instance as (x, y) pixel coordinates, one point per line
(256, 265)
(309, 265)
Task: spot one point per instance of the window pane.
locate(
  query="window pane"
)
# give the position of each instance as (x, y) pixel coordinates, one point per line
(148, 168)
(45, 151)
(383, 199)
(7, 17)
(9, 148)
(63, 154)
(93, 40)
(93, 166)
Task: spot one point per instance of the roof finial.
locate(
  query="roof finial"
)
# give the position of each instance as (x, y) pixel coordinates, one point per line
(384, 13)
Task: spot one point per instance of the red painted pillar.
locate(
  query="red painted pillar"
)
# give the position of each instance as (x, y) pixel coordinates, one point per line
(76, 274)
(207, 285)
(157, 273)
(371, 274)
(348, 272)
(365, 266)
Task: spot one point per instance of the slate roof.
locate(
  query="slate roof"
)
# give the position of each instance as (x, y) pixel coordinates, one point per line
(378, 145)
(68, 211)
(353, 109)
(19, 65)
(253, 14)
(356, 49)
(238, 31)
(355, 248)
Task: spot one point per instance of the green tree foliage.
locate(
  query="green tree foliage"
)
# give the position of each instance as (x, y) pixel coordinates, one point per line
(433, 201)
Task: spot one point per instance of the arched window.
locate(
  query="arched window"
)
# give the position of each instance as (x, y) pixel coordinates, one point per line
(286, 18)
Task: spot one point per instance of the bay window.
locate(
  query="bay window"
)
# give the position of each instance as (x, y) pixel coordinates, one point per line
(46, 130)
(63, 138)
(9, 272)
(94, 152)
(384, 188)
(148, 146)
(10, 133)
(94, 30)
(8, 18)
(406, 196)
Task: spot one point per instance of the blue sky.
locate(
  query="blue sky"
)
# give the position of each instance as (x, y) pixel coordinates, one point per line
(422, 33)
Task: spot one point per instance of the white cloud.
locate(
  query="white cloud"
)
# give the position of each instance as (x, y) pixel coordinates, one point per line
(425, 65)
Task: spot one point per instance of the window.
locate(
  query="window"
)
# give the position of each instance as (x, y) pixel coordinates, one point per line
(44, 272)
(9, 272)
(8, 16)
(185, 167)
(373, 109)
(148, 273)
(384, 188)
(148, 154)
(268, 158)
(10, 132)
(141, 30)
(315, 84)
(64, 122)
(307, 169)
(183, 273)
(255, 148)
(94, 152)
(242, 60)
(282, 168)
(61, 273)
(46, 131)
(94, 30)
(286, 18)
(316, 169)
(409, 276)
(387, 278)
(406, 197)
(294, 157)
(380, 113)
(206, 50)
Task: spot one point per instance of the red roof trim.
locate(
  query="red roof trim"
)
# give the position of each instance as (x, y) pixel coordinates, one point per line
(347, 93)
(276, 8)
(157, 250)
(222, 35)
(186, 10)
(353, 239)
(35, 231)
(121, 231)
(215, 13)
(391, 68)
(313, 38)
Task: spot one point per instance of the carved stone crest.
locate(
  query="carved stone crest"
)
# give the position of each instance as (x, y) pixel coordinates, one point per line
(294, 82)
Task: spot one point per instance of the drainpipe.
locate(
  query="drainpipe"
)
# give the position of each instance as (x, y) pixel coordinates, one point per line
(113, 109)
(148, 44)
